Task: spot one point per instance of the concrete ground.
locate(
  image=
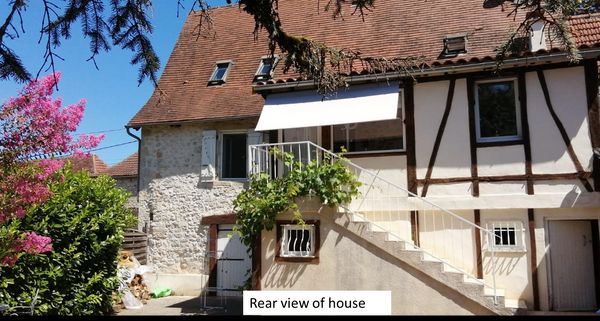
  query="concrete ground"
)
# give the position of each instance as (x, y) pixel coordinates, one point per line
(189, 305)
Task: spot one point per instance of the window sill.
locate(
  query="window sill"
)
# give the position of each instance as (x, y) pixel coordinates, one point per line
(224, 183)
(297, 259)
(499, 143)
(507, 250)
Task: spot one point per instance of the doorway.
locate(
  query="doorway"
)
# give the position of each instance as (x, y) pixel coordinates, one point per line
(573, 263)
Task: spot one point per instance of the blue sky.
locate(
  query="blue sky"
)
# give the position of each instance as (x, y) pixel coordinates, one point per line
(112, 92)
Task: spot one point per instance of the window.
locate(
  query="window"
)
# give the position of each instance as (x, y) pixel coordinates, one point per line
(377, 136)
(506, 236)
(219, 74)
(233, 153)
(265, 70)
(298, 243)
(454, 45)
(497, 111)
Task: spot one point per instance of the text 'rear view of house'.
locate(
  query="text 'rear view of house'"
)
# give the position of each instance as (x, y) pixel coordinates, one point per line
(479, 186)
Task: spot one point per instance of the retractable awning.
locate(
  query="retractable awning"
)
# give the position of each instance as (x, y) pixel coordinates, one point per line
(357, 104)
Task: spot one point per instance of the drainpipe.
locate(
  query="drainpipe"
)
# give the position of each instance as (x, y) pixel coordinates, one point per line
(139, 140)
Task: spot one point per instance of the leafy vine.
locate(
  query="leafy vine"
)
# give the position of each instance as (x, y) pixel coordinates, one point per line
(257, 206)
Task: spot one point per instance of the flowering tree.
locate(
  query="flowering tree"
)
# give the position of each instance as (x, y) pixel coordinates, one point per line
(31, 124)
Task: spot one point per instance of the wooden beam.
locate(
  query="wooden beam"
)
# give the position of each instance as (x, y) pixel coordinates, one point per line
(438, 137)
(596, 256)
(218, 219)
(478, 249)
(562, 130)
(414, 224)
(472, 137)
(212, 257)
(505, 178)
(326, 137)
(591, 85)
(525, 131)
(534, 269)
(256, 263)
(409, 122)
(411, 157)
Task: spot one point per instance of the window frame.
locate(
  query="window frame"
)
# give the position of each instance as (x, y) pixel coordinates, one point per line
(269, 75)
(212, 81)
(402, 118)
(221, 158)
(519, 231)
(454, 53)
(512, 138)
(315, 237)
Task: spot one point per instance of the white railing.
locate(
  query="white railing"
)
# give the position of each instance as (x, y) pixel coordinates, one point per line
(442, 235)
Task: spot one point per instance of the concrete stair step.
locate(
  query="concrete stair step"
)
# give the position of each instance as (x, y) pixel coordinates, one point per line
(487, 291)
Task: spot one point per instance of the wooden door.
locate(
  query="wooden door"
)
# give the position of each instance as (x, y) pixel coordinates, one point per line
(572, 266)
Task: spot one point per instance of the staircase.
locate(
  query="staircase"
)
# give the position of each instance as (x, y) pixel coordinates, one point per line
(443, 235)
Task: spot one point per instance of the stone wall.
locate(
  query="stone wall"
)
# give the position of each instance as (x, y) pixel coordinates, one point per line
(173, 199)
(128, 183)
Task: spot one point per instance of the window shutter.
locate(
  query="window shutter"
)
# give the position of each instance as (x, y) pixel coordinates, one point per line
(209, 148)
(253, 139)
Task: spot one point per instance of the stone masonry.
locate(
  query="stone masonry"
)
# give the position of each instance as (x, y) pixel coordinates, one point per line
(173, 199)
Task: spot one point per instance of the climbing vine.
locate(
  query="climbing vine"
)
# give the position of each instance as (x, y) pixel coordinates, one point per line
(257, 207)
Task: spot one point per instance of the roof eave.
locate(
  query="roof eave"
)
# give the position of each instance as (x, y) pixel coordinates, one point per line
(436, 71)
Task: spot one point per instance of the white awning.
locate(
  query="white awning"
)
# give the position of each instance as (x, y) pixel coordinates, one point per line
(357, 104)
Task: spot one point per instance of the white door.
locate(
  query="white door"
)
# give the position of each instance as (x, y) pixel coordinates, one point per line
(233, 262)
(572, 265)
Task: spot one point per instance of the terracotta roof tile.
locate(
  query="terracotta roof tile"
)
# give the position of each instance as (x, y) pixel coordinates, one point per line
(127, 167)
(388, 31)
(91, 163)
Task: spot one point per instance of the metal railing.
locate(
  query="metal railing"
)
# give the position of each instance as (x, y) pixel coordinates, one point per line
(442, 235)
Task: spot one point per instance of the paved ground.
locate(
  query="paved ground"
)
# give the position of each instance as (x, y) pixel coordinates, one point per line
(189, 305)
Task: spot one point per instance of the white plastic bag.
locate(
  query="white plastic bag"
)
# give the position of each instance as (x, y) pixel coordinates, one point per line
(130, 301)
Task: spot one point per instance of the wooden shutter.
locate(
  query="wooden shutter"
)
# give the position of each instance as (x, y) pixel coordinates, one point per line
(253, 139)
(209, 153)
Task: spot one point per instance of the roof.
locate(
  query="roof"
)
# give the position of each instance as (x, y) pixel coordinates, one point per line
(586, 29)
(414, 30)
(126, 168)
(90, 162)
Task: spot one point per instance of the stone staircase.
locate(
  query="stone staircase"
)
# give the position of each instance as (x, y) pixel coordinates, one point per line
(417, 258)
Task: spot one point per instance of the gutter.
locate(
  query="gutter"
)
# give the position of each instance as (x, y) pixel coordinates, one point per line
(435, 71)
(128, 128)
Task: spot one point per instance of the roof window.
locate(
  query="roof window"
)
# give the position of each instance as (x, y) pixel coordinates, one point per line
(265, 69)
(220, 73)
(454, 45)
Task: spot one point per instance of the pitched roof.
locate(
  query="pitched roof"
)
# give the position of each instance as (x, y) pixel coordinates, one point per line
(389, 30)
(91, 163)
(585, 29)
(127, 167)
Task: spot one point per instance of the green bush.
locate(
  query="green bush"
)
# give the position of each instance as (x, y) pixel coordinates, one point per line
(85, 218)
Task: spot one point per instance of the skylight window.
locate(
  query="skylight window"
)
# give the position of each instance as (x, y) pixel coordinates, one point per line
(454, 45)
(265, 69)
(219, 74)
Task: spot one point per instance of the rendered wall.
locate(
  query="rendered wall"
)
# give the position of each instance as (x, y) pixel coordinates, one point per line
(347, 262)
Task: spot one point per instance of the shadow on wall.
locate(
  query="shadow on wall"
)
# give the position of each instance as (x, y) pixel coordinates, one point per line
(282, 275)
(505, 263)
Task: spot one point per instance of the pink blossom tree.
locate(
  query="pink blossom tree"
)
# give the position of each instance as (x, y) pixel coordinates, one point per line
(33, 124)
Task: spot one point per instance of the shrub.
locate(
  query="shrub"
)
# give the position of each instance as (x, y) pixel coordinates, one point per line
(85, 218)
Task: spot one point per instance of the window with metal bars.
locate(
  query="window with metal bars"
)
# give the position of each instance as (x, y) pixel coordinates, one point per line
(298, 240)
(506, 235)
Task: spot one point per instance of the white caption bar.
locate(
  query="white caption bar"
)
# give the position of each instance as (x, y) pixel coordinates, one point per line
(317, 302)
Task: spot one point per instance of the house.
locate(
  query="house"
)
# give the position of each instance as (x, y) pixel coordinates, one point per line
(90, 163)
(479, 188)
(125, 174)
